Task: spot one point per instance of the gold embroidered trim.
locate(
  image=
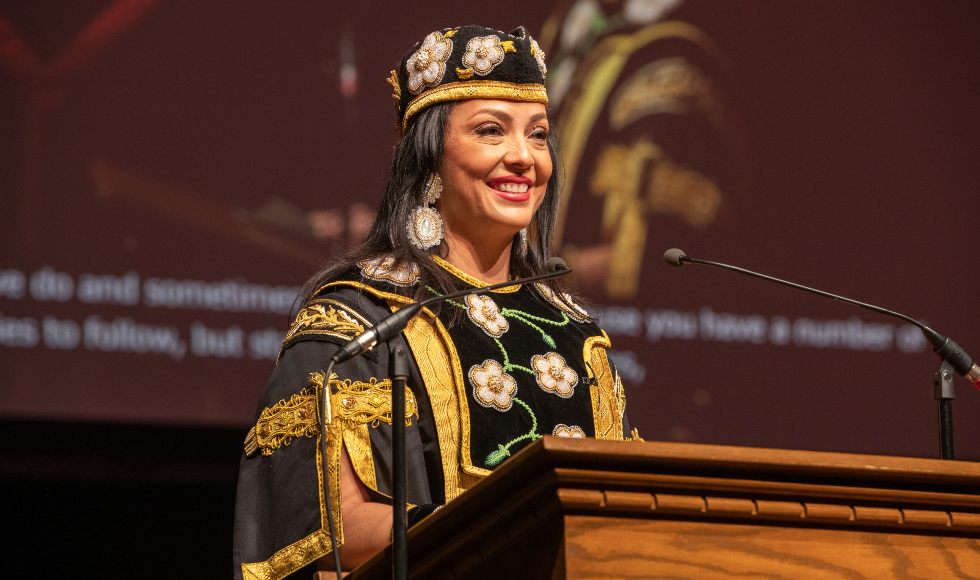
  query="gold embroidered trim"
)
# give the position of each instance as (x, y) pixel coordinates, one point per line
(328, 318)
(363, 403)
(334, 442)
(279, 424)
(438, 364)
(358, 404)
(620, 396)
(464, 73)
(397, 95)
(470, 279)
(289, 559)
(316, 545)
(531, 92)
(357, 439)
(388, 296)
(508, 46)
(449, 34)
(605, 402)
(443, 377)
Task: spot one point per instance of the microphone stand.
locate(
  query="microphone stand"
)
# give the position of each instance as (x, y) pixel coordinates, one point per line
(942, 392)
(952, 356)
(398, 363)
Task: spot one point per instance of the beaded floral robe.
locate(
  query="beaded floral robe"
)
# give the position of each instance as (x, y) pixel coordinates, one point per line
(517, 364)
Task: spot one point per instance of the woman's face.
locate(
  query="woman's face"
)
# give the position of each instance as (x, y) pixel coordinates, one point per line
(495, 168)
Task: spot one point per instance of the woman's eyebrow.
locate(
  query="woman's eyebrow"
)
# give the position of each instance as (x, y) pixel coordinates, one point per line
(503, 116)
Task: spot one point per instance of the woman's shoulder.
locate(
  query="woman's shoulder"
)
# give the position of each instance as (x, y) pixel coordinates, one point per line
(351, 302)
(563, 302)
(378, 275)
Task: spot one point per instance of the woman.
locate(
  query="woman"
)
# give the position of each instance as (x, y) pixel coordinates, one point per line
(471, 200)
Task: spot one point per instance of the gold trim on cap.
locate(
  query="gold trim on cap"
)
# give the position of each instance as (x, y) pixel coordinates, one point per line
(531, 92)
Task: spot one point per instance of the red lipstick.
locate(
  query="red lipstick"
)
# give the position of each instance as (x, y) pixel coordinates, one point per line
(497, 184)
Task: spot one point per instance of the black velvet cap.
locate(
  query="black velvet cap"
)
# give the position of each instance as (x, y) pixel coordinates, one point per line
(468, 62)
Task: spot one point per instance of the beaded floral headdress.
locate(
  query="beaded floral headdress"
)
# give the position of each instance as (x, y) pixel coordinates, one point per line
(468, 62)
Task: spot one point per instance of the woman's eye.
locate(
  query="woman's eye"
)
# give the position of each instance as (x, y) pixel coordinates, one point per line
(489, 129)
(541, 134)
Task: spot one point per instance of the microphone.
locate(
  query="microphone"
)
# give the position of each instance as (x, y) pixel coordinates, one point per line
(396, 322)
(942, 346)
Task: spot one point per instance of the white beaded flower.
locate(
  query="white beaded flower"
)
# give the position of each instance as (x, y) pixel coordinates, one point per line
(553, 375)
(568, 431)
(384, 270)
(427, 66)
(483, 54)
(572, 309)
(492, 387)
(538, 55)
(483, 311)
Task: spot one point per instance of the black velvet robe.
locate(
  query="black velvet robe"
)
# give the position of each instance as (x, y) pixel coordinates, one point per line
(554, 378)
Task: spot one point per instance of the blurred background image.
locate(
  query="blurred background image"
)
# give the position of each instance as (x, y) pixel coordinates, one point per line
(171, 172)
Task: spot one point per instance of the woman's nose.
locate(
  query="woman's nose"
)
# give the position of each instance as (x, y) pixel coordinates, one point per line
(518, 153)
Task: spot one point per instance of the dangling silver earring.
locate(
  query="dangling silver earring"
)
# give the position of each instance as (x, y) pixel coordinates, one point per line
(425, 224)
(524, 241)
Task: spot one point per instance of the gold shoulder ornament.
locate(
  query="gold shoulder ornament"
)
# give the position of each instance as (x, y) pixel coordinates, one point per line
(279, 424)
(354, 402)
(370, 402)
(327, 317)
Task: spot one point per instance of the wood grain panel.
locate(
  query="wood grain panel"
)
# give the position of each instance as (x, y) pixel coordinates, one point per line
(604, 548)
(604, 509)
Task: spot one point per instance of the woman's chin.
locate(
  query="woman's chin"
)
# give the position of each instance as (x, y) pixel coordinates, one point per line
(515, 219)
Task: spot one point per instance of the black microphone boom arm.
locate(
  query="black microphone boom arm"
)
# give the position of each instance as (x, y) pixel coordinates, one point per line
(953, 357)
(941, 345)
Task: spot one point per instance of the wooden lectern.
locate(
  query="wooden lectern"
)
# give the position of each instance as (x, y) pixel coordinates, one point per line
(566, 508)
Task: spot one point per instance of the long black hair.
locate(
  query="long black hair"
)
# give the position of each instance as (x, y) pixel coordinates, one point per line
(418, 155)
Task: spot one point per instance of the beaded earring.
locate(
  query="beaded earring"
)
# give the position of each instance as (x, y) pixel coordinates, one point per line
(425, 224)
(524, 242)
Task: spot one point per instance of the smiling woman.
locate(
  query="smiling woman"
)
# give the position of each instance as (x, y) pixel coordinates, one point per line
(495, 172)
(471, 201)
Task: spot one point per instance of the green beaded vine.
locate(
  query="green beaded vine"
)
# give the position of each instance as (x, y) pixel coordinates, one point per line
(503, 451)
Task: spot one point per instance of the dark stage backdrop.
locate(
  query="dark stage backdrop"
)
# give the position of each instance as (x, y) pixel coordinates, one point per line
(173, 170)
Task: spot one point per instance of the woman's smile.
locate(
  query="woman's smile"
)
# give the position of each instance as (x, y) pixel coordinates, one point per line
(512, 187)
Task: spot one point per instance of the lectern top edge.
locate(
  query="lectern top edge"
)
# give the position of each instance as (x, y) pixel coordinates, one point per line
(646, 455)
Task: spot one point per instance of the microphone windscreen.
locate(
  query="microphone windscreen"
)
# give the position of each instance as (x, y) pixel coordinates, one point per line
(555, 264)
(673, 257)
